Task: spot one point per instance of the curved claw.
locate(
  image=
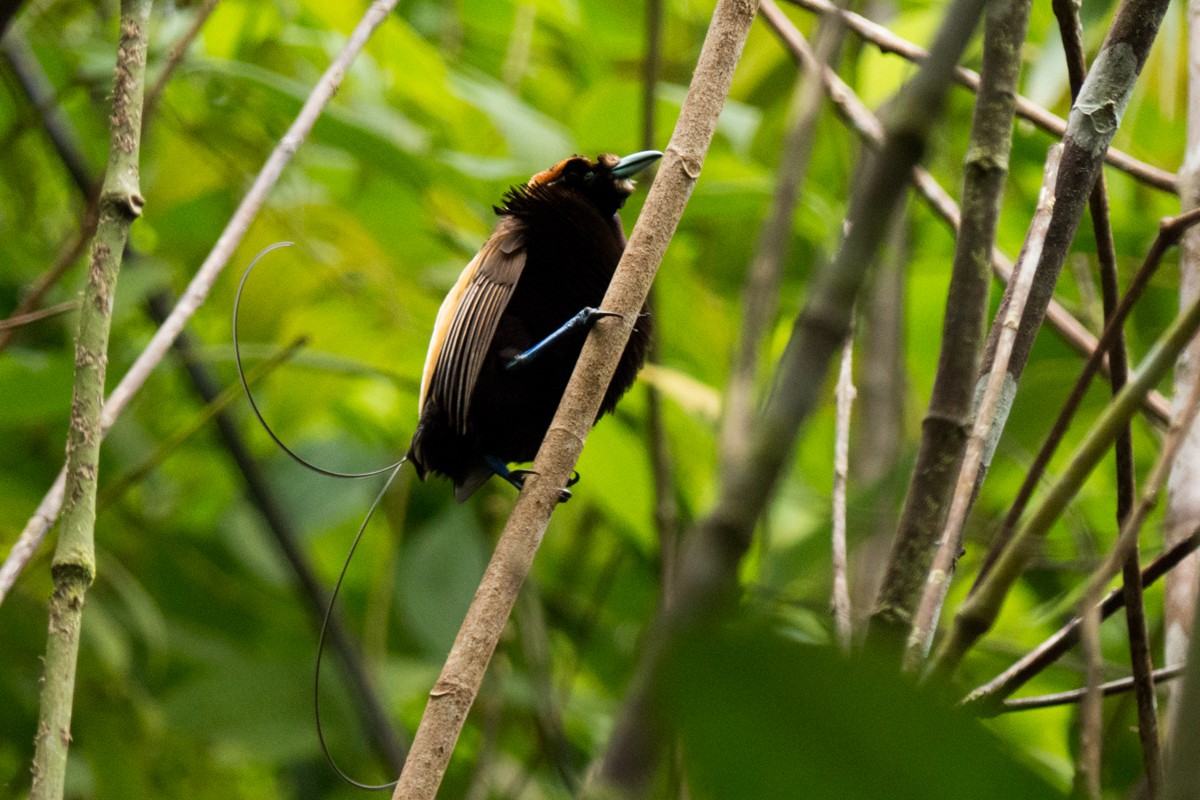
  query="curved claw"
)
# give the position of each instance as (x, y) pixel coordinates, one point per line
(517, 478)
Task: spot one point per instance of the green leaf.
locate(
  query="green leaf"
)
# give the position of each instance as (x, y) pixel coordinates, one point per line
(762, 716)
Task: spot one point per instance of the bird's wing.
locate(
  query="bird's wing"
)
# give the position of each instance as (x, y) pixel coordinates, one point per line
(467, 321)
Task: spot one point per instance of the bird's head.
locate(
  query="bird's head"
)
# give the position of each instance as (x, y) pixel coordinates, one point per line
(607, 182)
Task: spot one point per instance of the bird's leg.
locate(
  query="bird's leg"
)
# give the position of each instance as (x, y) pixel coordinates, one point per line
(583, 321)
(517, 476)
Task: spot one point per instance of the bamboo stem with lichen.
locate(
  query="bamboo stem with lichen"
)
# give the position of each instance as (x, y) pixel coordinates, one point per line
(74, 565)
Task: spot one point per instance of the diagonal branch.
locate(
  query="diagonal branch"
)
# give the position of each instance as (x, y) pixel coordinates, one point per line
(1091, 710)
(1075, 695)
(977, 614)
(985, 699)
(452, 695)
(993, 387)
(1026, 109)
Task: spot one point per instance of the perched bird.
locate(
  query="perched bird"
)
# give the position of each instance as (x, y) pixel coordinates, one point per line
(509, 333)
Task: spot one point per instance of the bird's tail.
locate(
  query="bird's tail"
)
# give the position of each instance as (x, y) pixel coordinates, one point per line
(392, 471)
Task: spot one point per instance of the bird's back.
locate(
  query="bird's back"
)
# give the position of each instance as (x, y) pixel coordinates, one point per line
(570, 253)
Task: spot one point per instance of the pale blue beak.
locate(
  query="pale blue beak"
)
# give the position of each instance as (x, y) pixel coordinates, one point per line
(634, 163)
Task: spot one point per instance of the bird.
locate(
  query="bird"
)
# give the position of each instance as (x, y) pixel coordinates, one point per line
(508, 334)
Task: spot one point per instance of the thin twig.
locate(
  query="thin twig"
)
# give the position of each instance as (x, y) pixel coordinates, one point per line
(43, 97)
(1075, 695)
(666, 507)
(1071, 33)
(840, 596)
(760, 295)
(866, 125)
(986, 699)
(1169, 232)
(996, 392)
(977, 614)
(67, 256)
(196, 292)
(1091, 709)
(74, 565)
(19, 320)
(175, 56)
(889, 42)
(455, 690)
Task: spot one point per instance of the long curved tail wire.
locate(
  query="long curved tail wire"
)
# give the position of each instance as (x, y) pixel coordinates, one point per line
(394, 468)
(325, 627)
(237, 355)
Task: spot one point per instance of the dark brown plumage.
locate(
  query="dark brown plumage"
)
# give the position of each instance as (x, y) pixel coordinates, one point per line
(551, 256)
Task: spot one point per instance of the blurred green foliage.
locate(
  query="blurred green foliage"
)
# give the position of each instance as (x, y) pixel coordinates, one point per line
(197, 650)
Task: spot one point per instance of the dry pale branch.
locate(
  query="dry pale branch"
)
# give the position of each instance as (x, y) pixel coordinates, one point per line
(980, 441)
(452, 695)
(844, 394)
(196, 292)
(1182, 510)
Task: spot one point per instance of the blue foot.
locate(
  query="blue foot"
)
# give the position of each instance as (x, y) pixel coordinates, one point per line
(583, 321)
(517, 476)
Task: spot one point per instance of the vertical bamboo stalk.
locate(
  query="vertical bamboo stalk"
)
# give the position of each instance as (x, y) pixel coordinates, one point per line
(74, 564)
